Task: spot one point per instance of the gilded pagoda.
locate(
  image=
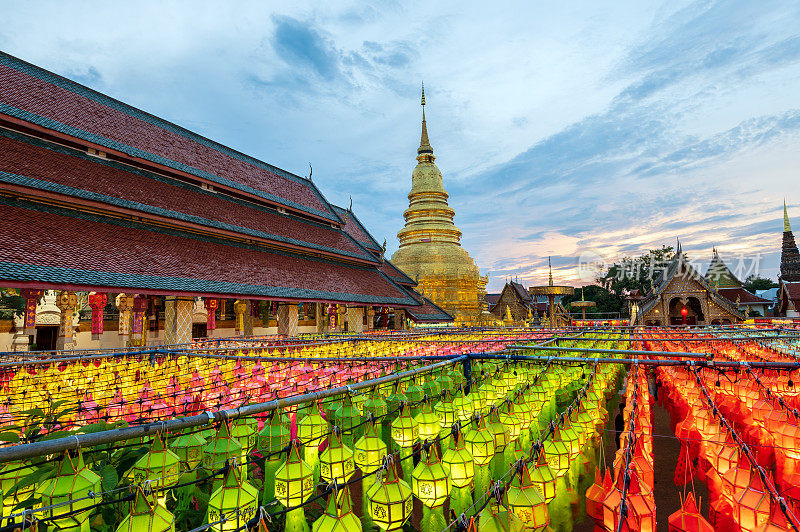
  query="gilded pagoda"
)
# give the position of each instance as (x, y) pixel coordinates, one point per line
(430, 249)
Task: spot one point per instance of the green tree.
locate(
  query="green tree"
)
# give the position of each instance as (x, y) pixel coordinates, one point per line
(606, 302)
(756, 282)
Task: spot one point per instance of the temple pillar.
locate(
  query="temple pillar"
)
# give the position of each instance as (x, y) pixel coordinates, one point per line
(124, 305)
(287, 319)
(178, 320)
(355, 319)
(319, 315)
(399, 319)
(370, 318)
(66, 303)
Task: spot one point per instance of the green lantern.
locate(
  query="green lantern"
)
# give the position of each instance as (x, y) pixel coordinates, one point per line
(369, 450)
(390, 501)
(430, 480)
(245, 432)
(189, 449)
(463, 407)
(499, 519)
(146, 515)
(512, 421)
(338, 516)
(310, 430)
(160, 466)
(446, 412)
(414, 396)
(558, 456)
(543, 478)
(458, 378)
(68, 491)
(348, 419)
(236, 500)
(273, 438)
(428, 422)
(502, 435)
(377, 407)
(445, 382)
(526, 502)
(221, 449)
(481, 442)
(458, 460)
(294, 480)
(336, 462)
(431, 388)
(488, 394)
(405, 430)
(10, 474)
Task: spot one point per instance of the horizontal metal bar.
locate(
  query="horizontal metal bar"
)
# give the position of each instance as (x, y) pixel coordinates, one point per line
(72, 442)
(610, 351)
(722, 364)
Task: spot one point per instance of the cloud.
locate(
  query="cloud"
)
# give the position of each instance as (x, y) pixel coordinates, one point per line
(300, 43)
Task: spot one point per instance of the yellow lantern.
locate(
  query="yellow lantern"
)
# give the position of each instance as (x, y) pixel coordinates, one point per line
(458, 460)
(481, 443)
(446, 412)
(369, 450)
(336, 462)
(338, 516)
(526, 502)
(427, 422)
(405, 430)
(543, 478)
(390, 501)
(294, 480)
(10, 474)
(236, 500)
(430, 480)
(146, 515)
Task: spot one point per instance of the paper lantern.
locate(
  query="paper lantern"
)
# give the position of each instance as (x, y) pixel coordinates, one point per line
(273, 438)
(446, 412)
(688, 518)
(336, 462)
(460, 463)
(10, 474)
(189, 449)
(481, 443)
(543, 478)
(294, 480)
(500, 431)
(348, 418)
(463, 407)
(146, 515)
(405, 430)
(376, 405)
(223, 447)
(245, 431)
(430, 480)
(338, 516)
(390, 501)
(427, 422)
(369, 451)
(67, 491)
(596, 494)
(752, 505)
(512, 422)
(498, 519)
(236, 500)
(525, 501)
(159, 465)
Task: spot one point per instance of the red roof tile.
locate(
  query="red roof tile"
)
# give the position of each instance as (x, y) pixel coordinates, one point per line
(40, 97)
(71, 168)
(45, 245)
(745, 297)
(356, 229)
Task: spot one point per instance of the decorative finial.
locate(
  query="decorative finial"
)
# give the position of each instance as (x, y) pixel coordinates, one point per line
(679, 246)
(424, 152)
(550, 267)
(582, 296)
(350, 208)
(786, 227)
(310, 171)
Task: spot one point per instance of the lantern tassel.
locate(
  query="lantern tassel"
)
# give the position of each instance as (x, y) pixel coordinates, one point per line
(270, 468)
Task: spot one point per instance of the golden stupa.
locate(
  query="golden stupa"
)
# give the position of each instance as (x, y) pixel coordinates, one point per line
(430, 249)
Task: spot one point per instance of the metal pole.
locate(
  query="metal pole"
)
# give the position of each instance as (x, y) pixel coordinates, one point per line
(610, 351)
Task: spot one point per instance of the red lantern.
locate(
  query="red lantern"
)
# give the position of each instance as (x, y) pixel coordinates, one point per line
(595, 495)
(98, 302)
(211, 310)
(688, 518)
(752, 510)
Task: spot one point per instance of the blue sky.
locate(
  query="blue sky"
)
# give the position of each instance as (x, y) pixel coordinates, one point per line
(560, 127)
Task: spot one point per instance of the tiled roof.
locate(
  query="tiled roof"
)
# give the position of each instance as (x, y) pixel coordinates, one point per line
(719, 275)
(521, 292)
(744, 297)
(44, 166)
(356, 229)
(394, 273)
(492, 299)
(49, 246)
(793, 289)
(68, 109)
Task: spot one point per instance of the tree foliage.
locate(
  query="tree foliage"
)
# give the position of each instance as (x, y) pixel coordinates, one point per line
(756, 282)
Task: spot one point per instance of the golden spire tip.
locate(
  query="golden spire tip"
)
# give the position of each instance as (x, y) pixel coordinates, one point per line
(787, 228)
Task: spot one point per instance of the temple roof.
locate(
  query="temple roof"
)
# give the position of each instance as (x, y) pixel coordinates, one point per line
(427, 312)
(354, 228)
(43, 102)
(719, 275)
(680, 266)
(39, 167)
(744, 297)
(44, 246)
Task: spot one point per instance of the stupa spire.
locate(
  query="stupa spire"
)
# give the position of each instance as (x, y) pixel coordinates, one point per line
(787, 228)
(425, 150)
(550, 268)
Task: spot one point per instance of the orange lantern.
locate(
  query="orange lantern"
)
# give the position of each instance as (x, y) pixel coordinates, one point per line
(688, 518)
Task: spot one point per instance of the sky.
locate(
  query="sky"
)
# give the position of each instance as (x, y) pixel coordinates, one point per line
(566, 129)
